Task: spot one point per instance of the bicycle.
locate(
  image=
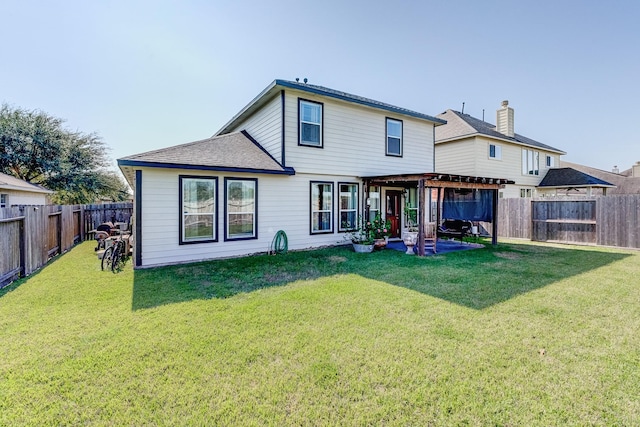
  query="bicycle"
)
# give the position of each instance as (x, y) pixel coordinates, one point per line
(115, 256)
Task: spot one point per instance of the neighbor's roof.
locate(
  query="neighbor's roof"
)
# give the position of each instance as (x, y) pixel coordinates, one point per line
(624, 184)
(463, 125)
(9, 182)
(569, 177)
(277, 85)
(236, 152)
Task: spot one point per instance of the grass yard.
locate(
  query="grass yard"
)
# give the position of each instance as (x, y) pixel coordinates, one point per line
(520, 334)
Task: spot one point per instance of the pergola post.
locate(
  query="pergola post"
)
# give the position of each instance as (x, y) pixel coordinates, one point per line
(421, 217)
(494, 233)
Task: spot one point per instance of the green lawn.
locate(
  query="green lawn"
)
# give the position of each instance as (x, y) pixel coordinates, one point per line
(520, 334)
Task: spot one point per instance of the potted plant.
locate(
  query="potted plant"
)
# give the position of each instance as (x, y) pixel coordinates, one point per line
(381, 230)
(361, 237)
(410, 236)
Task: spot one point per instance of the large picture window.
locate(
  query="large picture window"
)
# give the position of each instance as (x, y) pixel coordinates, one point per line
(310, 130)
(241, 208)
(530, 162)
(394, 137)
(198, 209)
(348, 206)
(321, 207)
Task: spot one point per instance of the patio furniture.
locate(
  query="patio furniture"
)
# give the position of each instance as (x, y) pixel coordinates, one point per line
(454, 228)
(430, 236)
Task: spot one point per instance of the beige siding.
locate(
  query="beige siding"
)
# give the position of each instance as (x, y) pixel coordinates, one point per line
(354, 141)
(457, 157)
(283, 204)
(265, 127)
(24, 198)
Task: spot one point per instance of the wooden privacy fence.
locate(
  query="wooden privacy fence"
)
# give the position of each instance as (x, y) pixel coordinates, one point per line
(602, 220)
(31, 235)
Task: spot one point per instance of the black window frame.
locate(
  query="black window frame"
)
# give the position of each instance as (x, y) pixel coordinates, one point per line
(227, 238)
(182, 240)
(311, 211)
(300, 142)
(386, 139)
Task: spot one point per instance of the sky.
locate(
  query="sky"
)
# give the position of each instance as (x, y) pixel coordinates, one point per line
(151, 74)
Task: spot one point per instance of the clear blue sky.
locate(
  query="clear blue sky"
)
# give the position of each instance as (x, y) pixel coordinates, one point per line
(151, 74)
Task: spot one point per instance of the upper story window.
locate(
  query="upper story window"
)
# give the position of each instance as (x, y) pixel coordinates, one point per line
(348, 210)
(310, 127)
(394, 137)
(321, 207)
(4, 200)
(549, 161)
(530, 162)
(198, 209)
(495, 152)
(241, 208)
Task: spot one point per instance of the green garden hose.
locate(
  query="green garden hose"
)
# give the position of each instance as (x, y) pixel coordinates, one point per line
(280, 244)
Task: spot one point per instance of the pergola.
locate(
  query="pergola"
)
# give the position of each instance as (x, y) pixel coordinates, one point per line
(438, 181)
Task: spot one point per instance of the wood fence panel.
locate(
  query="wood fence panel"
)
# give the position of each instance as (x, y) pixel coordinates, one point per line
(10, 235)
(565, 221)
(619, 221)
(36, 238)
(514, 218)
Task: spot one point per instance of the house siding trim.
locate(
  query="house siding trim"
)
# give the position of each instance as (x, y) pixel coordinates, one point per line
(181, 241)
(137, 163)
(138, 220)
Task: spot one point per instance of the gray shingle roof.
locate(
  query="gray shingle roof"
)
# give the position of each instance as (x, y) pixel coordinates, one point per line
(624, 184)
(569, 177)
(235, 151)
(461, 125)
(10, 182)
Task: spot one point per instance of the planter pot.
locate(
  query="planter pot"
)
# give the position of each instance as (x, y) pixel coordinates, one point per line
(360, 248)
(380, 243)
(409, 238)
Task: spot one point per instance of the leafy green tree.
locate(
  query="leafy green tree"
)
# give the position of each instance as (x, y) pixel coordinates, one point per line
(35, 147)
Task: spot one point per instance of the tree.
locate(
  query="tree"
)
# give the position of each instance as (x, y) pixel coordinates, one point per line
(35, 147)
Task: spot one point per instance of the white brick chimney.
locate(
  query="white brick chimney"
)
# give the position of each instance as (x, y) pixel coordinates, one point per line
(635, 170)
(504, 120)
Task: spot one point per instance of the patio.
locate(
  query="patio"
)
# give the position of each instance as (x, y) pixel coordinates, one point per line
(443, 246)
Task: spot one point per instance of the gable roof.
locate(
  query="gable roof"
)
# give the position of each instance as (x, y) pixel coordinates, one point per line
(8, 182)
(463, 125)
(277, 85)
(235, 152)
(569, 177)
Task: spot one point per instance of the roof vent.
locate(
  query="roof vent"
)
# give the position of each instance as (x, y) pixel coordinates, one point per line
(504, 120)
(615, 169)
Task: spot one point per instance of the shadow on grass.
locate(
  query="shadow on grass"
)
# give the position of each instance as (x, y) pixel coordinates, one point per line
(476, 279)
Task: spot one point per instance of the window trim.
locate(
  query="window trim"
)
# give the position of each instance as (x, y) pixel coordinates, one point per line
(550, 161)
(181, 240)
(497, 152)
(311, 211)
(321, 104)
(5, 203)
(386, 139)
(530, 158)
(357, 209)
(227, 238)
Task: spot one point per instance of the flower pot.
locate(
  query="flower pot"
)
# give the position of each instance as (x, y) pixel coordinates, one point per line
(360, 248)
(380, 243)
(409, 238)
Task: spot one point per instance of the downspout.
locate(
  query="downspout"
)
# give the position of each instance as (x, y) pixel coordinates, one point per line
(434, 148)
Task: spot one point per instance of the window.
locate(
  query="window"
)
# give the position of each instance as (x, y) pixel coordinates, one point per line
(495, 152)
(525, 192)
(394, 137)
(240, 208)
(198, 209)
(310, 130)
(4, 200)
(348, 210)
(411, 208)
(549, 161)
(530, 162)
(321, 207)
(374, 202)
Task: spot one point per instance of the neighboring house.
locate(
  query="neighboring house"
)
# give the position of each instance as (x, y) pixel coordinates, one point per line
(16, 192)
(625, 182)
(294, 159)
(571, 182)
(470, 146)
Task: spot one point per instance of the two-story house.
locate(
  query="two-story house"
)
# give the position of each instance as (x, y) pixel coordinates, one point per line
(293, 159)
(467, 145)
